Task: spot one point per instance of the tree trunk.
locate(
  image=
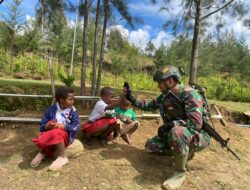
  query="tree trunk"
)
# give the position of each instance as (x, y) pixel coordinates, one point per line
(51, 73)
(43, 15)
(195, 44)
(84, 49)
(106, 15)
(11, 61)
(74, 39)
(98, 10)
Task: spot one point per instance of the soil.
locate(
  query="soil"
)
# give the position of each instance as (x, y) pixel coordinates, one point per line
(123, 167)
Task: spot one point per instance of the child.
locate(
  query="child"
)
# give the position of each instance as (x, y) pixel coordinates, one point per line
(127, 120)
(58, 128)
(101, 122)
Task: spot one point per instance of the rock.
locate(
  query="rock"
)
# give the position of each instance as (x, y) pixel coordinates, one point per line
(21, 75)
(38, 77)
(75, 149)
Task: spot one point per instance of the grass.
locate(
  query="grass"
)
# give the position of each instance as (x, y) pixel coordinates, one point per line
(233, 106)
(5, 81)
(10, 85)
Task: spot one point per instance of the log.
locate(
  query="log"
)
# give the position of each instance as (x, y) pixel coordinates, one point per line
(218, 111)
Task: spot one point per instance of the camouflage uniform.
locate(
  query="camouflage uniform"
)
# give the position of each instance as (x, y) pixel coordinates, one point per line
(185, 132)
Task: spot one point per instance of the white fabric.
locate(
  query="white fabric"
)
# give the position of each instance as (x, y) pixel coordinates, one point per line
(62, 115)
(98, 111)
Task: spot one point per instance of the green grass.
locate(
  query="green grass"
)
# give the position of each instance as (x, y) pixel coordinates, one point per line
(28, 86)
(8, 80)
(27, 83)
(233, 106)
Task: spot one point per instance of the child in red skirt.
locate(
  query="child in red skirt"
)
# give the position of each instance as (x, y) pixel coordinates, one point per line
(58, 128)
(101, 122)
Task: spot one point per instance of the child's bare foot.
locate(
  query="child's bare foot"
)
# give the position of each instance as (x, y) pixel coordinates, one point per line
(58, 163)
(37, 160)
(116, 140)
(126, 138)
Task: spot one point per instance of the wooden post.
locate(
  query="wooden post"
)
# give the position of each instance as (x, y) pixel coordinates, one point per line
(52, 78)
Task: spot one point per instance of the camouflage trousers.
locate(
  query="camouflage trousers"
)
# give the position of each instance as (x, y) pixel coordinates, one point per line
(177, 140)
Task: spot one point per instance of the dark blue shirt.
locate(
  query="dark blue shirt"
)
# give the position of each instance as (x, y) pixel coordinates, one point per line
(72, 123)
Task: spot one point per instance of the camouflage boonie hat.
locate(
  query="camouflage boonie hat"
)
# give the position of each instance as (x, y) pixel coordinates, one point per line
(168, 71)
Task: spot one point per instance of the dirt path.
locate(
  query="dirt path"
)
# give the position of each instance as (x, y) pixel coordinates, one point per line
(120, 166)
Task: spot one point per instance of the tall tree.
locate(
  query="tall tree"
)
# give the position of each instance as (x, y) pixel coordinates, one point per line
(85, 48)
(150, 49)
(13, 22)
(200, 6)
(40, 12)
(97, 18)
(199, 10)
(106, 15)
(122, 8)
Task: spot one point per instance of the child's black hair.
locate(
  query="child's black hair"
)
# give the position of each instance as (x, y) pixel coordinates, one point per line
(63, 92)
(126, 103)
(106, 91)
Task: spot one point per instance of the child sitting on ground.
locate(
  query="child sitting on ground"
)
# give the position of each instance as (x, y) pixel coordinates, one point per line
(101, 124)
(58, 128)
(127, 121)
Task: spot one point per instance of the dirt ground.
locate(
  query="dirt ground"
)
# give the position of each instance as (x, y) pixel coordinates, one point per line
(123, 167)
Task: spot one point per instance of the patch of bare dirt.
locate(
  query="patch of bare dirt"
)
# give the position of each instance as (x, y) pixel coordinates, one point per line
(123, 167)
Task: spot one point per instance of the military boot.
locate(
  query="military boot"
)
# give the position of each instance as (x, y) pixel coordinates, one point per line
(178, 177)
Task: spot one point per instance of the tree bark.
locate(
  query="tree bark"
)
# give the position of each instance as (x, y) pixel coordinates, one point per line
(84, 49)
(106, 15)
(98, 10)
(43, 15)
(51, 73)
(74, 39)
(195, 44)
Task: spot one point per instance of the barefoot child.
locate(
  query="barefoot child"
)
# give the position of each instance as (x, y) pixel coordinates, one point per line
(101, 124)
(127, 120)
(58, 128)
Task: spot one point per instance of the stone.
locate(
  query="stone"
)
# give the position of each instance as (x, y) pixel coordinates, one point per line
(75, 149)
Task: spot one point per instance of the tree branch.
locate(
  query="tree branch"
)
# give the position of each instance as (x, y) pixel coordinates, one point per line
(1, 1)
(190, 11)
(215, 11)
(91, 3)
(208, 5)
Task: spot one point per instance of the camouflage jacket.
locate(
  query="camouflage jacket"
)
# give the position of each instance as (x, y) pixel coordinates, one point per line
(193, 106)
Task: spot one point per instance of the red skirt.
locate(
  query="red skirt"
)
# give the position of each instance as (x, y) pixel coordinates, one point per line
(89, 127)
(47, 139)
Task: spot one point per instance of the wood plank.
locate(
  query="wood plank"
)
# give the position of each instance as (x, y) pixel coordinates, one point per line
(19, 119)
(83, 117)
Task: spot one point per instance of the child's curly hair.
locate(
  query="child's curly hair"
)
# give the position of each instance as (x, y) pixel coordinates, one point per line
(63, 92)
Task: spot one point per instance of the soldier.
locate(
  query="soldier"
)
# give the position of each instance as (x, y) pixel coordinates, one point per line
(181, 108)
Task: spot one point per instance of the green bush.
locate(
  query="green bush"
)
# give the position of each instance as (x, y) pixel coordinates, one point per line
(122, 70)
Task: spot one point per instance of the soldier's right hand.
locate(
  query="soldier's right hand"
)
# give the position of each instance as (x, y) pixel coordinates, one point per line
(127, 91)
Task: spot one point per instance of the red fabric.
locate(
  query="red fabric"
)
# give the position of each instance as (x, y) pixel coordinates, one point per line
(47, 139)
(89, 127)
